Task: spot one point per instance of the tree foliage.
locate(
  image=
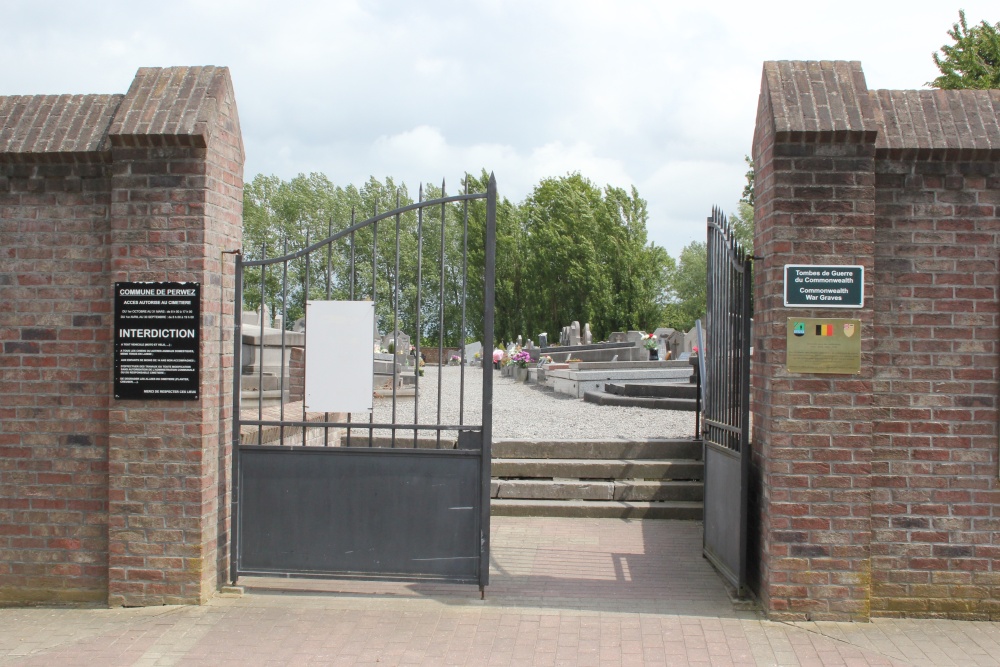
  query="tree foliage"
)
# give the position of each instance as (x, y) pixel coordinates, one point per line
(973, 61)
(571, 251)
(584, 256)
(688, 286)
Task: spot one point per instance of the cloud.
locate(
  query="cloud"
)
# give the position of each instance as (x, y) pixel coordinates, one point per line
(657, 94)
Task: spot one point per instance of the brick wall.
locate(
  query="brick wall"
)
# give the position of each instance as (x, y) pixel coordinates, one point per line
(102, 499)
(876, 494)
(54, 379)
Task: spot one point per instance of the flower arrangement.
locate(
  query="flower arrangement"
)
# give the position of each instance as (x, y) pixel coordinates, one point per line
(454, 360)
(649, 341)
(522, 359)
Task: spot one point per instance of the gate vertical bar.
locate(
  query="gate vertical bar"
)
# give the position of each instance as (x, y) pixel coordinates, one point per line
(351, 298)
(260, 352)
(441, 319)
(281, 373)
(329, 278)
(395, 323)
(487, 411)
(371, 415)
(234, 493)
(305, 326)
(417, 333)
(465, 286)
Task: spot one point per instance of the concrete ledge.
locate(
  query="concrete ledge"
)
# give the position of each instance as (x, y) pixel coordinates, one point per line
(602, 398)
(627, 490)
(598, 469)
(597, 449)
(659, 390)
(689, 511)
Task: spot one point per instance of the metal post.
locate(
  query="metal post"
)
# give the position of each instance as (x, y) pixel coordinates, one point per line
(234, 498)
(487, 446)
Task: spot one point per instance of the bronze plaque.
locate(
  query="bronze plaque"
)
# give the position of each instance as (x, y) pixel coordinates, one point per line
(823, 345)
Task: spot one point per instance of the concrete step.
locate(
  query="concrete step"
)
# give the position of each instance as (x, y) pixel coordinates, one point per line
(597, 449)
(603, 469)
(624, 365)
(669, 390)
(603, 398)
(691, 511)
(629, 490)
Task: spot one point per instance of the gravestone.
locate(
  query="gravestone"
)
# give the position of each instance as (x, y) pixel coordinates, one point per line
(691, 339)
(617, 337)
(574, 333)
(587, 337)
(675, 342)
(471, 349)
(543, 339)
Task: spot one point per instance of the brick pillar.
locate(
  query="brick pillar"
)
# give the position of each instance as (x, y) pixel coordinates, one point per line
(814, 150)
(176, 194)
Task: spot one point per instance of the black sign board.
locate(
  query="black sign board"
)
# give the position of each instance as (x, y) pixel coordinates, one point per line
(815, 286)
(156, 340)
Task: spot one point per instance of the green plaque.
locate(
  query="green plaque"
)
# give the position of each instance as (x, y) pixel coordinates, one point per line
(818, 286)
(823, 345)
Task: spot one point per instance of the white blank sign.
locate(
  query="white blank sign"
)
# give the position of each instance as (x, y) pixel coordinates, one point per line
(340, 357)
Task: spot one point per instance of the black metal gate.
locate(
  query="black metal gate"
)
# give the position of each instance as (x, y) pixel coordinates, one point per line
(726, 385)
(403, 496)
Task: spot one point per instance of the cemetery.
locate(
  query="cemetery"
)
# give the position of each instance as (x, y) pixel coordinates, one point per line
(630, 368)
(147, 472)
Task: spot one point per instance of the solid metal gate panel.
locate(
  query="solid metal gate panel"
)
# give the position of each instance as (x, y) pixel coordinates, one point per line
(318, 495)
(348, 511)
(726, 383)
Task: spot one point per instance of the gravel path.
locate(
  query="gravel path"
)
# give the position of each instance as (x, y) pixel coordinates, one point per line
(523, 410)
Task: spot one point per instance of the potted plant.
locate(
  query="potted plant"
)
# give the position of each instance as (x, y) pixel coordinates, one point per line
(520, 360)
(650, 343)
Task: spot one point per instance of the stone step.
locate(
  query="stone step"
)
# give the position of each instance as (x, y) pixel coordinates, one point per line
(597, 449)
(668, 390)
(601, 469)
(536, 489)
(270, 382)
(249, 398)
(684, 510)
(603, 398)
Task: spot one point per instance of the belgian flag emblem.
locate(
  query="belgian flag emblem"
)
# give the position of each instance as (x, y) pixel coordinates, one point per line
(824, 329)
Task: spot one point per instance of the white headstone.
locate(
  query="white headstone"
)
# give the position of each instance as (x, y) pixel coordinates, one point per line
(471, 349)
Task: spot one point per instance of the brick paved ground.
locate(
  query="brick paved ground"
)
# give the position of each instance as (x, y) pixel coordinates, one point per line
(563, 592)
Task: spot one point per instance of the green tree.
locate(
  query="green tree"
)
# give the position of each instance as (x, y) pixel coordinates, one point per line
(742, 220)
(973, 61)
(687, 287)
(585, 256)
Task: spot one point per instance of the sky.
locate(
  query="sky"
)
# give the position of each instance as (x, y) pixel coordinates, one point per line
(656, 94)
